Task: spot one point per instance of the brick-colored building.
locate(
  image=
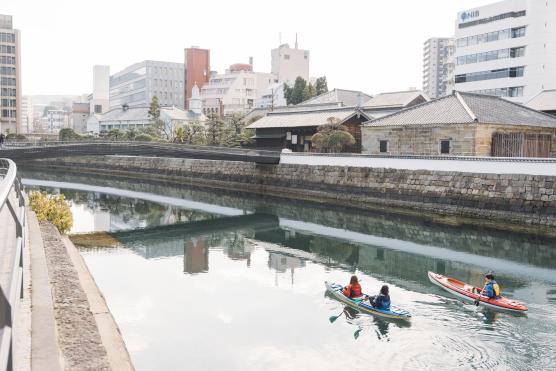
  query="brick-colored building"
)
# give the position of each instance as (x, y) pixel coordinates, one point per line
(463, 124)
(197, 70)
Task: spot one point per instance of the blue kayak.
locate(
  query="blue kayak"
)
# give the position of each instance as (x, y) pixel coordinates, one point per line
(364, 306)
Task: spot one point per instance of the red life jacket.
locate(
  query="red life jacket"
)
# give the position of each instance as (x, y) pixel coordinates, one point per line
(353, 291)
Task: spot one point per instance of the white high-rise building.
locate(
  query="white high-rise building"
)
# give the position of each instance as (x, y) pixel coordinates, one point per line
(100, 98)
(507, 49)
(438, 66)
(289, 63)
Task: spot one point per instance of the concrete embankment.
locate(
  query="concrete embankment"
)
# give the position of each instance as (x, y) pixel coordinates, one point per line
(505, 201)
(72, 327)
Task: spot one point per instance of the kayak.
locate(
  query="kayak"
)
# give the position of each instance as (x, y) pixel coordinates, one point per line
(359, 303)
(471, 293)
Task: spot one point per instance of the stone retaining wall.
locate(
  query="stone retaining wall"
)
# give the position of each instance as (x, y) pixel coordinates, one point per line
(521, 200)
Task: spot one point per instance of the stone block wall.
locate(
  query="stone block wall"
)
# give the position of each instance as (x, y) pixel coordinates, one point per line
(516, 199)
(420, 140)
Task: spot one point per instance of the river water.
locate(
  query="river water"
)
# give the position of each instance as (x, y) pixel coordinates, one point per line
(211, 280)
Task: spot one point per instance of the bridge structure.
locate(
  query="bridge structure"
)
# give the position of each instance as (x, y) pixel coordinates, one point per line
(13, 231)
(23, 151)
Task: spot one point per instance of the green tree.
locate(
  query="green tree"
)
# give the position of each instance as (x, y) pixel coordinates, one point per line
(68, 134)
(131, 134)
(144, 138)
(288, 93)
(215, 130)
(321, 85)
(116, 134)
(155, 121)
(332, 137)
(309, 92)
(180, 135)
(195, 133)
(297, 95)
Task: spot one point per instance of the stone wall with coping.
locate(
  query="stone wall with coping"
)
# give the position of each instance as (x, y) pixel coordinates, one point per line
(528, 200)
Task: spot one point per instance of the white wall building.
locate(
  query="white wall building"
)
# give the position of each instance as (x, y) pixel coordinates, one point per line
(27, 114)
(10, 77)
(507, 49)
(289, 63)
(137, 84)
(438, 66)
(234, 91)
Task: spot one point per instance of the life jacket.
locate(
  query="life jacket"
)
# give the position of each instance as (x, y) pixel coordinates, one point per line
(353, 291)
(492, 289)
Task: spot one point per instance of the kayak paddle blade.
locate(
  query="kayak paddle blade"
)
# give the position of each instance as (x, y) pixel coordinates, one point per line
(356, 333)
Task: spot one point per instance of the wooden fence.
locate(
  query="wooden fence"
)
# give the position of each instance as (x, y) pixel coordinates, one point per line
(521, 145)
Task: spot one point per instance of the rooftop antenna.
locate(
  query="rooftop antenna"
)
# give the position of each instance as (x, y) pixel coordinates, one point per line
(296, 40)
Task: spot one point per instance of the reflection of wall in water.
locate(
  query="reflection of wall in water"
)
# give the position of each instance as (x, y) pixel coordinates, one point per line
(281, 263)
(414, 268)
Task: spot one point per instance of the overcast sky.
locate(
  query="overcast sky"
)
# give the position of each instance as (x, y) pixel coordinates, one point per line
(369, 45)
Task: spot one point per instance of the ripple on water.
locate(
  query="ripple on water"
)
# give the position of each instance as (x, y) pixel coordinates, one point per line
(452, 353)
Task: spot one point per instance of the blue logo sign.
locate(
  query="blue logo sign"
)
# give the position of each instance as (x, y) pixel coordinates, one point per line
(465, 16)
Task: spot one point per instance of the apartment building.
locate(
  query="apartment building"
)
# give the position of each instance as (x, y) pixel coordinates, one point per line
(10, 77)
(438, 66)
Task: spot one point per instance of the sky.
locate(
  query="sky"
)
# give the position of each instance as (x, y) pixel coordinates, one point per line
(369, 45)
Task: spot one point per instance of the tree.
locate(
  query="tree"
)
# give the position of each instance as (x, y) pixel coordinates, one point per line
(309, 92)
(154, 119)
(144, 138)
(215, 130)
(66, 134)
(131, 134)
(332, 137)
(287, 93)
(297, 95)
(195, 133)
(180, 135)
(321, 86)
(116, 134)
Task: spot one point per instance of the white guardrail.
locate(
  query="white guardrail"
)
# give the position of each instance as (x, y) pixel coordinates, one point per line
(464, 164)
(11, 290)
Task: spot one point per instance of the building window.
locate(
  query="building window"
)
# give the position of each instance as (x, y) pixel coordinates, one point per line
(286, 56)
(491, 36)
(383, 146)
(490, 75)
(445, 147)
(98, 108)
(494, 18)
(491, 55)
(513, 91)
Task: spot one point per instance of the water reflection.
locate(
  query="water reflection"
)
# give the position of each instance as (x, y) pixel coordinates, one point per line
(261, 264)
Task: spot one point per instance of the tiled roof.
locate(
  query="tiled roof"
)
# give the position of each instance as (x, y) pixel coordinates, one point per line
(304, 118)
(394, 99)
(462, 108)
(544, 101)
(346, 97)
(131, 114)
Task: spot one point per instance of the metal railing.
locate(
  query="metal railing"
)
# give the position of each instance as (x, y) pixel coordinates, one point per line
(12, 291)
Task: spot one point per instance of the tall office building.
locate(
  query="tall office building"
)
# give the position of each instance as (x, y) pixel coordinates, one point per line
(99, 100)
(507, 49)
(197, 70)
(438, 66)
(289, 63)
(137, 84)
(10, 77)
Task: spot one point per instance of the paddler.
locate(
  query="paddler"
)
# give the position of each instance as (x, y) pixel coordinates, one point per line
(491, 289)
(382, 300)
(353, 290)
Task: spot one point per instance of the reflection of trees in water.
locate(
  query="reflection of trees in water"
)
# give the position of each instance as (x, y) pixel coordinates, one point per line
(334, 250)
(134, 210)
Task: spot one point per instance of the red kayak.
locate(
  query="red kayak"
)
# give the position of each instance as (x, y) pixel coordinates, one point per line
(471, 293)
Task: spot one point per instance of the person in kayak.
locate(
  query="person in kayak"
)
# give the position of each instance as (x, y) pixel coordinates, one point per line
(491, 289)
(353, 290)
(382, 300)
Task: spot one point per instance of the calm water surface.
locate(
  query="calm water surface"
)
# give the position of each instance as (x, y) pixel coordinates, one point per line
(209, 280)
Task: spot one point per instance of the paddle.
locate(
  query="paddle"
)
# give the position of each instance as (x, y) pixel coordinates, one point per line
(477, 301)
(332, 319)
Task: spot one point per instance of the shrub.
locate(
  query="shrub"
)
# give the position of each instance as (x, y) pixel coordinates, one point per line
(66, 134)
(52, 208)
(144, 138)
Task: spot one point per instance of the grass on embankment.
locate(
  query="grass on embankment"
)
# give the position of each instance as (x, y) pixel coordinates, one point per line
(95, 240)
